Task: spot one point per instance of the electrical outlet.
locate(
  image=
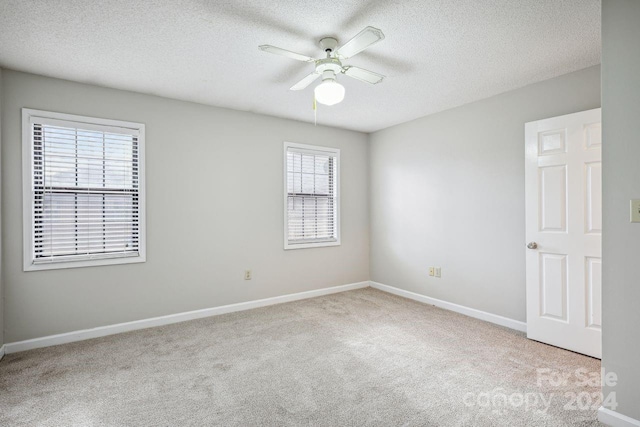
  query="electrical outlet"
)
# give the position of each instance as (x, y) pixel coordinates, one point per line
(247, 275)
(438, 272)
(431, 271)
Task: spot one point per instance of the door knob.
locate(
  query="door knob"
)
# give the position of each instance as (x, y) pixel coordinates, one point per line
(532, 245)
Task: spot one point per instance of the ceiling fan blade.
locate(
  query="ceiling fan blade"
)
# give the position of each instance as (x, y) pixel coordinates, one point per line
(360, 42)
(362, 74)
(284, 52)
(306, 81)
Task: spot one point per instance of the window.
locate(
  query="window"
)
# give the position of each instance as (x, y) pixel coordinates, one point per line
(312, 202)
(83, 191)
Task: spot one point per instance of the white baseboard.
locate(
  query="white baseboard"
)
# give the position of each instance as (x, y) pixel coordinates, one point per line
(615, 419)
(467, 311)
(102, 331)
(2, 350)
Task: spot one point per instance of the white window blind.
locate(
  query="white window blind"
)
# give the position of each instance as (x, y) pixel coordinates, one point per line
(312, 203)
(86, 199)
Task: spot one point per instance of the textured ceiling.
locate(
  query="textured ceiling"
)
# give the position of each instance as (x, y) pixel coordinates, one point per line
(437, 54)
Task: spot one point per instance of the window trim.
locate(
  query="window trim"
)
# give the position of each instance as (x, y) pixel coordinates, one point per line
(323, 243)
(28, 184)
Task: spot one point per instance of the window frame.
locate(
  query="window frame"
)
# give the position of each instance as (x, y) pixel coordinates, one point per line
(28, 225)
(321, 243)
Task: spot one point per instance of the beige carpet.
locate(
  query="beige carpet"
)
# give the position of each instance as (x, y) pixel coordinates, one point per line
(357, 358)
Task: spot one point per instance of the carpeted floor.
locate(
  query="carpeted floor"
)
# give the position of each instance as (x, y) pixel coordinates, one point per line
(356, 358)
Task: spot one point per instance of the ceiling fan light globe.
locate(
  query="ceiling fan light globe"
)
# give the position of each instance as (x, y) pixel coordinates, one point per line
(329, 92)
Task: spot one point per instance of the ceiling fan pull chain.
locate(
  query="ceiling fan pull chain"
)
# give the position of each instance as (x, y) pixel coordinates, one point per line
(315, 110)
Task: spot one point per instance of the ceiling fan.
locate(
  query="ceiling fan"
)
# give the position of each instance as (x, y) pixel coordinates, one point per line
(330, 92)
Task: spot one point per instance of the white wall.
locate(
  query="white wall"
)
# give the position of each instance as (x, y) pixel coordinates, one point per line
(621, 182)
(1, 279)
(448, 190)
(214, 209)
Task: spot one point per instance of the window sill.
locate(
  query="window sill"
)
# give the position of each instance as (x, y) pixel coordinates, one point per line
(308, 245)
(84, 263)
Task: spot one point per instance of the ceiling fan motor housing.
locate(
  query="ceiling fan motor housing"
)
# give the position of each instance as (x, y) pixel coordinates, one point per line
(328, 67)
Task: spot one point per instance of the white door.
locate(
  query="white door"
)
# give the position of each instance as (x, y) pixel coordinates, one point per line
(564, 231)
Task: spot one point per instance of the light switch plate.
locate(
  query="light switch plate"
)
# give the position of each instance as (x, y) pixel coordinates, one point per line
(635, 210)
